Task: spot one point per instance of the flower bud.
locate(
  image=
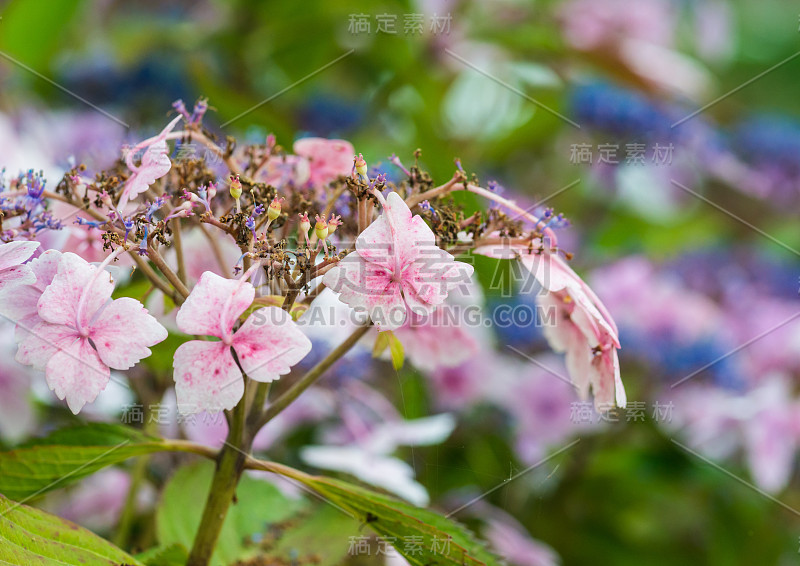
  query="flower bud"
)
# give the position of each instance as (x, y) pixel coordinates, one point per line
(361, 166)
(236, 187)
(321, 227)
(334, 223)
(305, 223)
(274, 210)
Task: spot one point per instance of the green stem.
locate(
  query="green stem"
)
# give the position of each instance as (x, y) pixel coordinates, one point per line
(230, 465)
(313, 374)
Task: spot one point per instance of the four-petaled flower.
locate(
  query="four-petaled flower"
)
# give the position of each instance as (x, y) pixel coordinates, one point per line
(396, 268)
(83, 333)
(267, 345)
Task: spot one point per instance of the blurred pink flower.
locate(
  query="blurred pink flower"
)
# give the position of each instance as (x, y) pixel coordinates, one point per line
(83, 332)
(397, 268)
(328, 159)
(267, 345)
(510, 539)
(764, 423)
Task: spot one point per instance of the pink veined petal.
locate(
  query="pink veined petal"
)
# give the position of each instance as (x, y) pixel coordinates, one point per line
(434, 274)
(368, 287)
(123, 333)
(21, 303)
(551, 274)
(59, 301)
(564, 336)
(202, 313)
(578, 360)
(39, 342)
(606, 382)
(558, 334)
(77, 374)
(15, 253)
(406, 233)
(269, 343)
(155, 164)
(14, 276)
(206, 377)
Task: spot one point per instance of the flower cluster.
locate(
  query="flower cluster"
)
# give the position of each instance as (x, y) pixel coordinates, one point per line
(387, 250)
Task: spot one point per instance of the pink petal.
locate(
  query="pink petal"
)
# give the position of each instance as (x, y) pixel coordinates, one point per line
(59, 302)
(123, 333)
(15, 253)
(13, 276)
(22, 302)
(39, 342)
(396, 229)
(552, 274)
(606, 382)
(432, 276)
(368, 287)
(205, 311)
(206, 377)
(155, 164)
(269, 343)
(77, 374)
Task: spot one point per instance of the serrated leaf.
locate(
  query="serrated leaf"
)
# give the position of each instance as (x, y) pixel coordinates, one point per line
(434, 539)
(259, 504)
(322, 539)
(30, 536)
(68, 455)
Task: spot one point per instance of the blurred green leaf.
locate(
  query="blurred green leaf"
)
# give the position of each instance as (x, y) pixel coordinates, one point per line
(31, 536)
(259, 504)
(67, 455)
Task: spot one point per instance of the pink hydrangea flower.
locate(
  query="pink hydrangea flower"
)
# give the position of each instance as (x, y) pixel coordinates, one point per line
(583, 330)
(83, 333)
(12, 257)
(328, 159)
(155, 164)
(267, 345)
(397, 268)
(21, 305)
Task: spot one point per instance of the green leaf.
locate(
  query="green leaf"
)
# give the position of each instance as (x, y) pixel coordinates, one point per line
(172, 555)
(422, 536)
(322, 539)
(30, 536)
(259, 504)
(68, 455)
